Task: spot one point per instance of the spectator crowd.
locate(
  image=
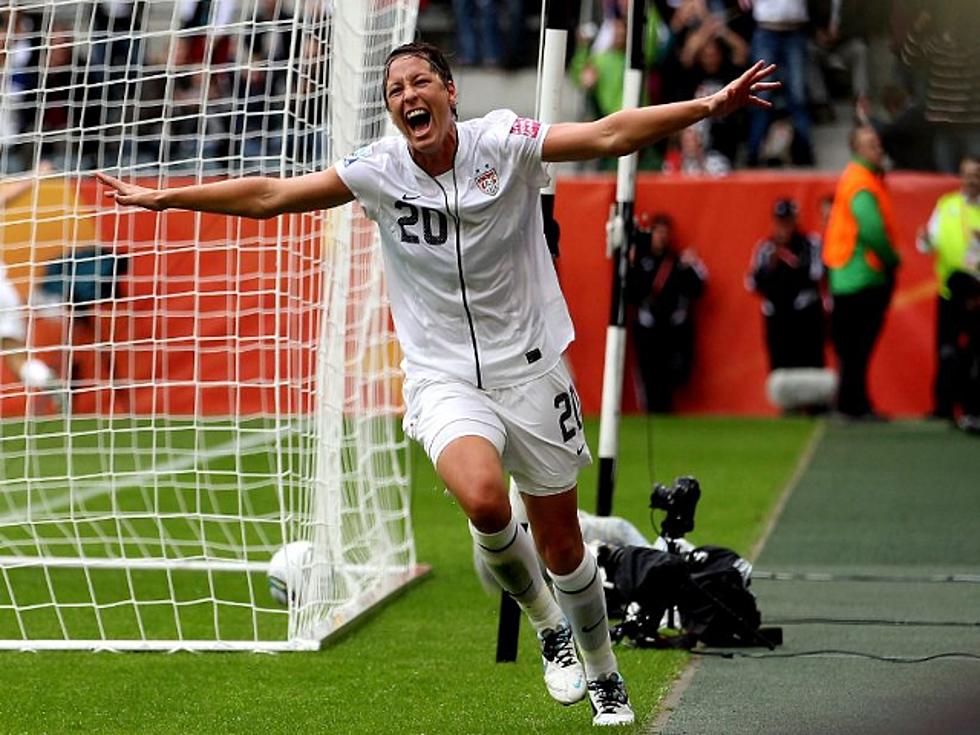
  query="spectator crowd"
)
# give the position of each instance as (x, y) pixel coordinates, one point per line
(99, 89)
(92, 85)
(216, 86)
(909, 68)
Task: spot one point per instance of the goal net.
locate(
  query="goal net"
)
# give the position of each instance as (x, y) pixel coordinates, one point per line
(182, 395)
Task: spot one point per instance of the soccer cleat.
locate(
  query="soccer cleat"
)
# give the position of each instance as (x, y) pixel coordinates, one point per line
(610, 703)
(563, 673)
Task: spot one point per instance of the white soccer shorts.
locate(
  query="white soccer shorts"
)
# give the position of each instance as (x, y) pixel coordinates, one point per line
(535, 426)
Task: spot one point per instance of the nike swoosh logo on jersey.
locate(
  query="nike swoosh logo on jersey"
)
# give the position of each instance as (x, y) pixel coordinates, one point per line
(580, 449)
(410, 197)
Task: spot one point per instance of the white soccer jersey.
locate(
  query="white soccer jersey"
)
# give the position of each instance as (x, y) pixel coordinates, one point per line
(473, 291)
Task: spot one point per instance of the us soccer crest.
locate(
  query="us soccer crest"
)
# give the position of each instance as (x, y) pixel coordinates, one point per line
(489, 182)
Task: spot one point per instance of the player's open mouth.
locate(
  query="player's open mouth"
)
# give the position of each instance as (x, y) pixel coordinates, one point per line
(418, 120)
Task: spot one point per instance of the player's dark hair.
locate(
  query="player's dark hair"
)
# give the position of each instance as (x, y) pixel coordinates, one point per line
(427, 51)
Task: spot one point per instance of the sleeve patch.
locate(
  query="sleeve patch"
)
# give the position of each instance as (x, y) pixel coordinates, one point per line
(362, 152)
(525, 126)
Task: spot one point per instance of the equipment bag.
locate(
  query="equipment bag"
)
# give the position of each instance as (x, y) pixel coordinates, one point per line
(708, 586)
(716, 605)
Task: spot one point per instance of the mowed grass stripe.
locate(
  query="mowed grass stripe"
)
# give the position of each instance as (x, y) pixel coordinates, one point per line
(219, 494)
(187, 505)
(80, 492)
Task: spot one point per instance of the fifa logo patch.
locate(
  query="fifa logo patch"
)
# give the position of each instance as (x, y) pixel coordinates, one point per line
(489, 182)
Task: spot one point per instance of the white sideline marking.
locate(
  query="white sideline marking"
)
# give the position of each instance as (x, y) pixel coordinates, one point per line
(171, 646)
(92, 490)
(94, 562)
(187, 565)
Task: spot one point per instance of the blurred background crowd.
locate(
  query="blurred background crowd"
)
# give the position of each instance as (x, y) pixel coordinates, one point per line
(222, 86)
(911, 68)
(168, 84)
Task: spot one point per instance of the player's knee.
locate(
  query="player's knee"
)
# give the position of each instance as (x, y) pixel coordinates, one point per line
(489, 517)
(562, 552)
(486, 503)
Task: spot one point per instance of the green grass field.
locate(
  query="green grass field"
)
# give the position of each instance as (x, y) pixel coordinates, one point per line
(159, 498)
(424, 663)
(140, 489)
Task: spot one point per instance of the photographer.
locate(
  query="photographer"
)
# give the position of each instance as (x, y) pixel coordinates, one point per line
(664, 284)
(787, 272)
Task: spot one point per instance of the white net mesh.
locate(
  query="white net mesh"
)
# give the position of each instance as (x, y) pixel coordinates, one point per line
(183, 394)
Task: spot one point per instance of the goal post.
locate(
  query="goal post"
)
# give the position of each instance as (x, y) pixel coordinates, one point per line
(207, 389)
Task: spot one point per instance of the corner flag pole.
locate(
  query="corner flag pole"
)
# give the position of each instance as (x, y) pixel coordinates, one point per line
(552, 72)
(551, 69)
(619, 234)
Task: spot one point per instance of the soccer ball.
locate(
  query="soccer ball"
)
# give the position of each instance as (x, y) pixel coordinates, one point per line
(289, 572)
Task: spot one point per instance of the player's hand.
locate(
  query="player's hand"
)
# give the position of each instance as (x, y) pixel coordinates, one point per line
(744, 91)
(130, 194)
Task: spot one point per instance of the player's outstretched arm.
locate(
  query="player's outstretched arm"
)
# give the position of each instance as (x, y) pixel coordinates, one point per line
(258, 197)
(626, 131)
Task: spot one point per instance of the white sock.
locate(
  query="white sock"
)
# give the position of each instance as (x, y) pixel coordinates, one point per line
(580, 596)
(510, 556)
(35, 374)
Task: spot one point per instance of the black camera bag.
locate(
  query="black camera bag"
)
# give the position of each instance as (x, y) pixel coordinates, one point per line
(649, 577)
(705, 585)
(716, 605)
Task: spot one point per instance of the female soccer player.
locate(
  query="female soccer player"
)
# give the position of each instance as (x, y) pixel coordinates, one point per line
(483, 324)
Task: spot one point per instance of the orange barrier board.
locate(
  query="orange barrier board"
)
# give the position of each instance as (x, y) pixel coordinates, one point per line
(203, 319)
(200, 325)
(723, 219)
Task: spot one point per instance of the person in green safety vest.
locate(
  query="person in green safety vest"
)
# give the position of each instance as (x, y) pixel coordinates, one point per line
(861, 259)
(953, 237)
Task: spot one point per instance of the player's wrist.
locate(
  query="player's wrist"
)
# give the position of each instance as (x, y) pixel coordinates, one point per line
(160, 200)
(713, 105)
